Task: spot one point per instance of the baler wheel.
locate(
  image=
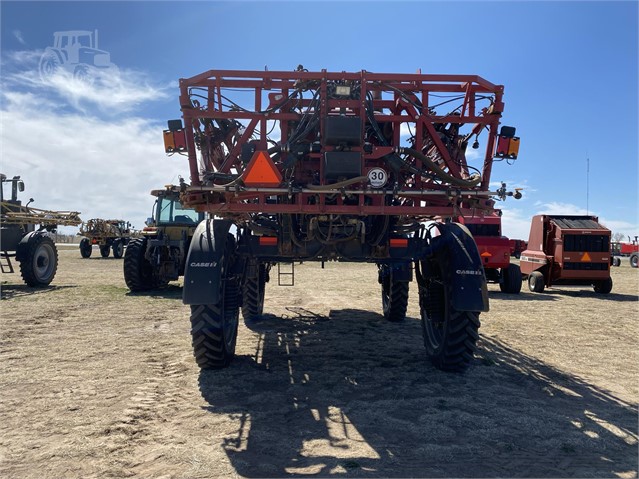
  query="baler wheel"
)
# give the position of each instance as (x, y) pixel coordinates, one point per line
(536, 282)
(603, 287)
(510, 279)
(85, 248)
(138, 272)
(450, 336)
(394, 298)
(253, 295)
(214, 326)
(104, 251)
(39, 262)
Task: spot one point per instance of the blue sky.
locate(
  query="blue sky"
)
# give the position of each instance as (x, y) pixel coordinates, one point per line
(569, 71)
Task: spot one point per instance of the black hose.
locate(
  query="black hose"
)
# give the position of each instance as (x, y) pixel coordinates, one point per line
(441, 173)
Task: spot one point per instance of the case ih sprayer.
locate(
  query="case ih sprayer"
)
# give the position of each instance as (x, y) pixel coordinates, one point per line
(303, 166)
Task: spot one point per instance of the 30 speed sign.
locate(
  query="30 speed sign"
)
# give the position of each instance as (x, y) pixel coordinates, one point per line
(377, 177)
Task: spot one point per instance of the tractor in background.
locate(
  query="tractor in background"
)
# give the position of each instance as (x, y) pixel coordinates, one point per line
(567, 250)
(494, 249)
(316, 166)
(27, 235)
(629, 250)
(158, 255)
(108, 235)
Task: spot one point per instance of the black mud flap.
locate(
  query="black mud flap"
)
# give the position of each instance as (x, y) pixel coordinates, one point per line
(22, 247)
(203, 268)
(468, 280)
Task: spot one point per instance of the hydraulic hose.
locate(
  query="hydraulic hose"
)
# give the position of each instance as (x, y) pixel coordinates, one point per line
(439, 172)
(337, 186)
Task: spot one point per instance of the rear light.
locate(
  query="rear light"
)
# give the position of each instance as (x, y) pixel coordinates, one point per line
(268, 241)
(398, 243)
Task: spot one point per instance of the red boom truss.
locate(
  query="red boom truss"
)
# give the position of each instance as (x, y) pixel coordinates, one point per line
(414, 127)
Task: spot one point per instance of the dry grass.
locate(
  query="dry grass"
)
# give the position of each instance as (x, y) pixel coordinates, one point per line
(97, 382)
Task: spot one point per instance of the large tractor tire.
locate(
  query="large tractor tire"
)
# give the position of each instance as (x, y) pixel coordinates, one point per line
(634, 260)
(86, 248)
(536, 282)
(138, 272)
(118, 249)
(39, 261)
(450, 336)
(510, 279)
(104, 251)
(214, 326)
(394, 298)
(603, 287)
(253, 294)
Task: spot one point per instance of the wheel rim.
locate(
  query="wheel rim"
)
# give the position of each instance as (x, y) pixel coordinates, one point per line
(44, 262)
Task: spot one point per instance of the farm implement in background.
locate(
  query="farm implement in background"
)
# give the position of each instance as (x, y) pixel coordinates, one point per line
(494, 250)
(107, 234)
(339, 166)
(628, 250)
(27, 235)
(567, 250)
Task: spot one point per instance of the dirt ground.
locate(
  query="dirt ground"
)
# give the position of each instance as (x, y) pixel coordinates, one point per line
(98, 382)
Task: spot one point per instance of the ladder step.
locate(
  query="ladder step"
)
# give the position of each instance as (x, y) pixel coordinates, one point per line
(6, 266)
(286, 275)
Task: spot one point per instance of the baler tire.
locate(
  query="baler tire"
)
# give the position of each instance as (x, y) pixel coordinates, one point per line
(138, 272)
(104, 251)
(394, 299)
(86, 248)
(39, 262)
(634, 260)
(214, 326)
(118, 249)
(536, 282)
(510, 279)
(253, 295)
(450, 336)
(603, 287)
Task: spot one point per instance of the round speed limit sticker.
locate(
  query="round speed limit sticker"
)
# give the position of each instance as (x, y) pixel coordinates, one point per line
(377, 177)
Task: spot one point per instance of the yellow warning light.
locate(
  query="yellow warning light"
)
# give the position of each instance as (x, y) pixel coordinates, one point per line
(261, 171)
(586, 257)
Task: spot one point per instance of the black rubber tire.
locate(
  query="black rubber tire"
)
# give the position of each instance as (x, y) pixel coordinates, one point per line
(138, 272)
(450, 336)
(634, 260)
(214, 326)
(603, 287)
(510, 279)
(86, 248)
(104, 251)
(253, 295)
(394, 298)
(118, 249)
(39, 262)
(536, 282)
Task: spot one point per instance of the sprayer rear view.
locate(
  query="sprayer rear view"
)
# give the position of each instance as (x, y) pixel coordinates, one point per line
(345, 166)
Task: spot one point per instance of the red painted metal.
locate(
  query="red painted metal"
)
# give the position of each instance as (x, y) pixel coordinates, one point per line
(229, 115)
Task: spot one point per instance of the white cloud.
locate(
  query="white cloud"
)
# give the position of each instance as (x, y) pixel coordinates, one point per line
(70, 161)
(18, 36)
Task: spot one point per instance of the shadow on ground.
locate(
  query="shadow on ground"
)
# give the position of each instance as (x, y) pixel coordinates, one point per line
(172, 291)
(10, 291)
(353, 395)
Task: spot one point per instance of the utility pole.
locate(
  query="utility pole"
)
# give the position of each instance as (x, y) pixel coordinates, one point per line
(587, 185)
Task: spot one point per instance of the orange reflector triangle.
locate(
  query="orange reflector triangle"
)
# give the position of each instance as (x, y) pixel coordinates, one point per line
(261, 171)
(485, 254)
(586, 257)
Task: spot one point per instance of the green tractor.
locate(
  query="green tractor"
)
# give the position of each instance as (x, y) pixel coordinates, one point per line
(159, 255)
(27, 235)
